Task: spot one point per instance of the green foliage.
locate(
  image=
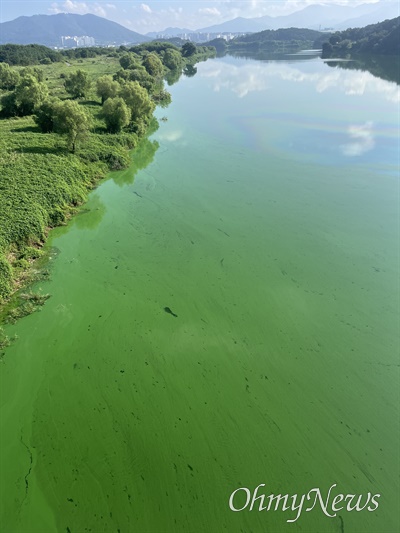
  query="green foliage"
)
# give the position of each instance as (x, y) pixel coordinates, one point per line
(78, 84)
(72, 120)
(8, 105)
(155, 46)
(219, 44)
(130, 60)
(41, 182)
(381, 38)
(143, 78)
(31, 54)
(32, 71)
(108, 149)
(84, 53)
(272, 41)
(188, 49)
(138, 100)
(106, 87)
(45, 114)
(28, 303)
(116, 114)
(29, 95)
(173, 59)
(152, 63)
(162, 98)
(8, 77)
(6, 277)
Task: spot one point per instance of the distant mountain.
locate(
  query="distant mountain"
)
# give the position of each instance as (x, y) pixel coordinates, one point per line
(389, 11)
(48, 29)
(168, 32)
(313, 17)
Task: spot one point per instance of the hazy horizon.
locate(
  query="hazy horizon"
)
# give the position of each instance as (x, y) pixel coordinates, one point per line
(157, 15)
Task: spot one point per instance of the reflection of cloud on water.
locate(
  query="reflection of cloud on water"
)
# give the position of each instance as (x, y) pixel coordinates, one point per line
(170, 136)
(232, 78)
(256, 77)
(362, 140)
(243, 87)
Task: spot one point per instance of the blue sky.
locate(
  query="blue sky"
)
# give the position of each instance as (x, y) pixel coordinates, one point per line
(153, 15)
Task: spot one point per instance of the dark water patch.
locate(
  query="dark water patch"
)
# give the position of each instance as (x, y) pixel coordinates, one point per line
(168, 310)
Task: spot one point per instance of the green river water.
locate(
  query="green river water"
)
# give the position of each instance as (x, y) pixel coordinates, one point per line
(264, 214)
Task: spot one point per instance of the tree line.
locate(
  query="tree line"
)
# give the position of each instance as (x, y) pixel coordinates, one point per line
(381, 38)
(128, 98)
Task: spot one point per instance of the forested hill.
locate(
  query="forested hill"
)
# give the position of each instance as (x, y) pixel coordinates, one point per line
(30, 54)
(382, 38)
(274, 40)
(48, 29)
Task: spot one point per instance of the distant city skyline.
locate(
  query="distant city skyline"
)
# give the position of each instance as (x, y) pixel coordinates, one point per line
(156, 15)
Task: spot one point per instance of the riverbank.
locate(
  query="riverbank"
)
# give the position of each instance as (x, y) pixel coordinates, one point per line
(43, 180)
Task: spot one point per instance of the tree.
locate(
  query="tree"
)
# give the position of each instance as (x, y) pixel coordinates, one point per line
(45, 115)
(106, 87)
(152, 63)
(8, 105)
(172, 59)
(138, 101)
(143, 78)
(129, 60)
(72, 120)
(78, 84)
(188, 49)
(29, 95)
(32, 71)
(116, 114)
(8, 77)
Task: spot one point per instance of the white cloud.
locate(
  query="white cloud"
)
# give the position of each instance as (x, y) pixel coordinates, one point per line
(210, 11)
(146, 8)
(81, 8)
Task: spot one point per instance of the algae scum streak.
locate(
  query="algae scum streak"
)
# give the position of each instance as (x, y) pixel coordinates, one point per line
(223, 314)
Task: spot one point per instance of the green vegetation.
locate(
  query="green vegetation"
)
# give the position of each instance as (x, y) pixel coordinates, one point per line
(116, 114)
(382, 38)
(286, 39)
(78, 84)
(47, 112)
(31, 54)
(8, 77)
(106, 87)
(28, 303)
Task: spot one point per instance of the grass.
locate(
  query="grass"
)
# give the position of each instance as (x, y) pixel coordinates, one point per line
(41, 182)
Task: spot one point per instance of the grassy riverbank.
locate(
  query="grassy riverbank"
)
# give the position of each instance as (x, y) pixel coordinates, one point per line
(43, 179)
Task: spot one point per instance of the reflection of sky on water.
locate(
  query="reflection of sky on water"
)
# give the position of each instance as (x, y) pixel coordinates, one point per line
(252, 76)
(361, 139)
(330, 114)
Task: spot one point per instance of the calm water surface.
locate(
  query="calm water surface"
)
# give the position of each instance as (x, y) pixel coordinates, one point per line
(264, 214)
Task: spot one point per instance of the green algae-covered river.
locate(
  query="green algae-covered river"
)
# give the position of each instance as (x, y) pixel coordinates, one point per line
(264, 215)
